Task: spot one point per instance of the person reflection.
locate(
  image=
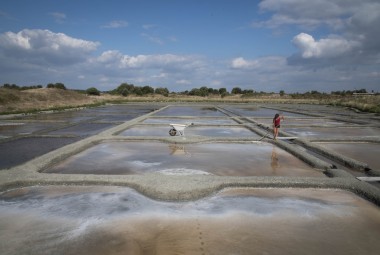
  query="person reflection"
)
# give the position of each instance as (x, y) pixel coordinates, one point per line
(177, 149)
(274, 159)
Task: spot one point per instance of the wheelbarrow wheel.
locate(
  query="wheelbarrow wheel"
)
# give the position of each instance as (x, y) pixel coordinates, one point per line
(172, 132)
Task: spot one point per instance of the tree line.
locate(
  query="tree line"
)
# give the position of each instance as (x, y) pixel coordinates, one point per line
(57, 85)
(126, 89)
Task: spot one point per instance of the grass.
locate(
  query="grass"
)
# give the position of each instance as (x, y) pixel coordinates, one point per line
(35, 100)
(359, 103)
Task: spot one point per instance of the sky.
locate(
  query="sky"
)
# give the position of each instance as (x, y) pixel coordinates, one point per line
(268, 45)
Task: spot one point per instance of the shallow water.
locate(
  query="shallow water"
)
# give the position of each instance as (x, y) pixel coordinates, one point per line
(18, 151)
(70, 116)
(250, 159)
(111, 220)
(200, 111)
(203, 121)
(328, 132)
(364, 152)
(261, 112)
(10, 129)
(305, 122)
(83, 129)
(216, 131)
(221, 132)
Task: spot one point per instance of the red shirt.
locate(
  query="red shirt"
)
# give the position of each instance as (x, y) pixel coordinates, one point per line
(277, 121)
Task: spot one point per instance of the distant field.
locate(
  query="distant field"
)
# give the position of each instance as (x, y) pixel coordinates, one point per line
(15, 101)
(24, 101)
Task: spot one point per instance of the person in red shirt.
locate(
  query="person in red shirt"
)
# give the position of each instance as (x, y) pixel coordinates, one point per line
(277, 124)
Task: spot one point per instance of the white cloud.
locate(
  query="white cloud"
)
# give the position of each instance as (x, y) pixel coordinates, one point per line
(58, 16)
(241, 63)
(110, 56)
(364, 25)
(155, 70)
(353, 26)
(149, 26)
(324, 48)
(274, 74)
(154, 39)
(308, 14)
(183, 82)
(116, 24)
(44, 39)
(11, 40)
(42, 56)
(43, 46)
(263, 64)
(280, 20)
(166, 61)
(160, 75)
(216, 83)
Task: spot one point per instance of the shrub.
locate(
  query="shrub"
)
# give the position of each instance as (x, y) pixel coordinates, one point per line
(57, 85)
(93, 91)
(236, 90)
(162, 91)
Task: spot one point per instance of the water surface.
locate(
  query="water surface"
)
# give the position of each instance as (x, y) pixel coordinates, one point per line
(111, 220)
(250, 159)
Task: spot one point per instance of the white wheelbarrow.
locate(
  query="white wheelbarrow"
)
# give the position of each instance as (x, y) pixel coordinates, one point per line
(178, 128)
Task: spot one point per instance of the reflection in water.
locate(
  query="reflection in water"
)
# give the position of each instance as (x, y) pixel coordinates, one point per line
(215, 131)
(112, 221)
(240, 159)
(274, 160)
(178, 149)
(328, 132)
(364, 152)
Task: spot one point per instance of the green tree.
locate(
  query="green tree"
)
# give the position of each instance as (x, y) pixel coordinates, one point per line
(124, 89)
(194, 92)
(222, 91)
(138, 91)
(93, 91)
(247, 91)
(360, 91)
(204, 91)
(147, 90)
(9, 86)
(57, 85)
(162, 91)
(236, 90)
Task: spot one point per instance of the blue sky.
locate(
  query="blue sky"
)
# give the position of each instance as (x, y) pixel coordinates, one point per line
(269, 45)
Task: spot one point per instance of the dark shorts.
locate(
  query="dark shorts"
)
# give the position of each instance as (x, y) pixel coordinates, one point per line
(278, 126)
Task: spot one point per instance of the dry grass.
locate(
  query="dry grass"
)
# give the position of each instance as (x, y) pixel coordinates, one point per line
(361, 103)
(14, 101)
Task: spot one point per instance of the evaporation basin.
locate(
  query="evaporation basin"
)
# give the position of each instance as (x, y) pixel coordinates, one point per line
(112, 221)
(232, 159)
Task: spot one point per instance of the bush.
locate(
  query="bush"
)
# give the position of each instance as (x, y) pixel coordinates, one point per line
(124, 89)
(162, 91)
(147, 90)
(236, 90)
(224, 94)
(93, 91)
(57, 85)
